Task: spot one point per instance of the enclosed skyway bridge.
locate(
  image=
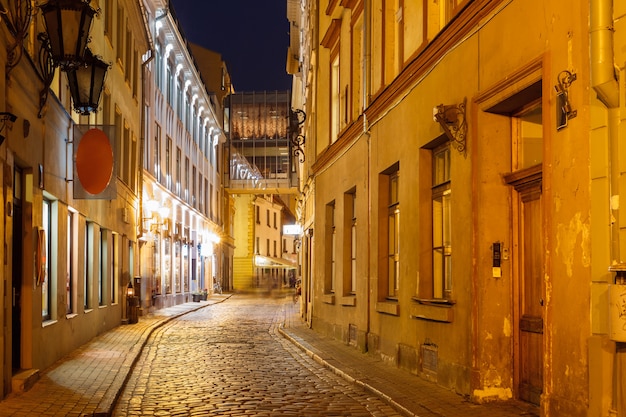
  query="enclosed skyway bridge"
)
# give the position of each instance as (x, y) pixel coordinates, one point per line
(263, 156)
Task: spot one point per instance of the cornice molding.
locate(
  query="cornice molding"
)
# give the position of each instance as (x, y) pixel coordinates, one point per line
(331, 7)
(332, 34)
(424, 60)
(347, 137)
(349, 4)
(429, 56)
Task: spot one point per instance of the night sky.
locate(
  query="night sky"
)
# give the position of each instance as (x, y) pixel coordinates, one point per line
(251, 35)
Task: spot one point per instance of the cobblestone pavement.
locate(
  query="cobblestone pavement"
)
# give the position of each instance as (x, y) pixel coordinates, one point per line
(229, 360)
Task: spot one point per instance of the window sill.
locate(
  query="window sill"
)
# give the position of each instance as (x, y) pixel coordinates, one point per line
(438, 310)
(70, 316)
(387, 307)
(48, 323)
(348, 300)
(328, 298)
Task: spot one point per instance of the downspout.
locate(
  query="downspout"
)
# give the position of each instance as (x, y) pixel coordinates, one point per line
(364, 103)
(142, 136)
(604, 82)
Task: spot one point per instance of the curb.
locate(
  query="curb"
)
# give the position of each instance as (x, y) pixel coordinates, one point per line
(369, 388)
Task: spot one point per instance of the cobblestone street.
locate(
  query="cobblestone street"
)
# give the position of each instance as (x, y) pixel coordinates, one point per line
(229, 360)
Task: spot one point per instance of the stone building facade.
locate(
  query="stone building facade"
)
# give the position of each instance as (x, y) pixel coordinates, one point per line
(460, 192)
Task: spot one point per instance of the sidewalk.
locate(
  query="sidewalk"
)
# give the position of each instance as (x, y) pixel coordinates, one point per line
(408, 393)
(88, 381)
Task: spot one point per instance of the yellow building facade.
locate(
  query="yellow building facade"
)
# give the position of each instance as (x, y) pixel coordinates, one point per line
(460, 191)
(68, 256)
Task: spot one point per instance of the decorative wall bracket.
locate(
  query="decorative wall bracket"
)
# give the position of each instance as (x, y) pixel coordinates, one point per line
(564, 110)
(46, 70)
(17, 19)
(453, 122)
(296, 120)
(4, 118)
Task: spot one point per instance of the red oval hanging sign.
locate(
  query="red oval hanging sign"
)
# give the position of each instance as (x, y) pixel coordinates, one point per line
(94, 161)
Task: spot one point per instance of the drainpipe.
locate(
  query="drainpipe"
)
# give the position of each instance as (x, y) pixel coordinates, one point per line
(604, 82)
(364, 84)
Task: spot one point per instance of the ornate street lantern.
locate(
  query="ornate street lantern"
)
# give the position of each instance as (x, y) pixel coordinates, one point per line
(86, 81)
(68, 23)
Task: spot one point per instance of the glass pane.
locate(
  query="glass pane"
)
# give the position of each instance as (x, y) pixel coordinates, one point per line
(392, 277)
(68, 267)
(531, 139)
(441, 166)
(448, 271)
(447, 218)
(177, 271)
(437, 273)
(45, 286)
(392, 235)
(333, 244)
(437, 222)
(393, 189)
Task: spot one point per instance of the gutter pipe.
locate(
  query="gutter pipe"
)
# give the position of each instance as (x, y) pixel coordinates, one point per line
(604, 82)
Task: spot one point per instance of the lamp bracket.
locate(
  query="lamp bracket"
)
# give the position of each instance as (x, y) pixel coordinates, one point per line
(18, 18)
(452, 120)
(564, 109)
(297, 118)
(46, 68)
(6, 117)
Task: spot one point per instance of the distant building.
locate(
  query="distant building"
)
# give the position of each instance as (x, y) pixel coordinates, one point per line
(261, 170)
(219, 86)
(259, 261)
(183, 206)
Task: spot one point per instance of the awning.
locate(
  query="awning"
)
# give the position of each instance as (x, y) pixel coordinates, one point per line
(268, 262)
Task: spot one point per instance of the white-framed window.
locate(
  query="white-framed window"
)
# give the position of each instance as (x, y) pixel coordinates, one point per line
(157, 152)
(441, 223)
(351, 240)
(170, 83)
(335, 98)
(70, 277)
(178, 171)
(102, 268)
(88, 262)
(331, 248)
(46, 284)
(115, 262)
(168, 163)
(393, 236)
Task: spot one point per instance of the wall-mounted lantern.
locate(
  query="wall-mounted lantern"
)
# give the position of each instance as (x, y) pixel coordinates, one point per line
(452, 120)
(86, 82)
(68, 23)
(564, 110)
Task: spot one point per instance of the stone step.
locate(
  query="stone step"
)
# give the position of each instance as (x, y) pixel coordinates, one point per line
(24, 380)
